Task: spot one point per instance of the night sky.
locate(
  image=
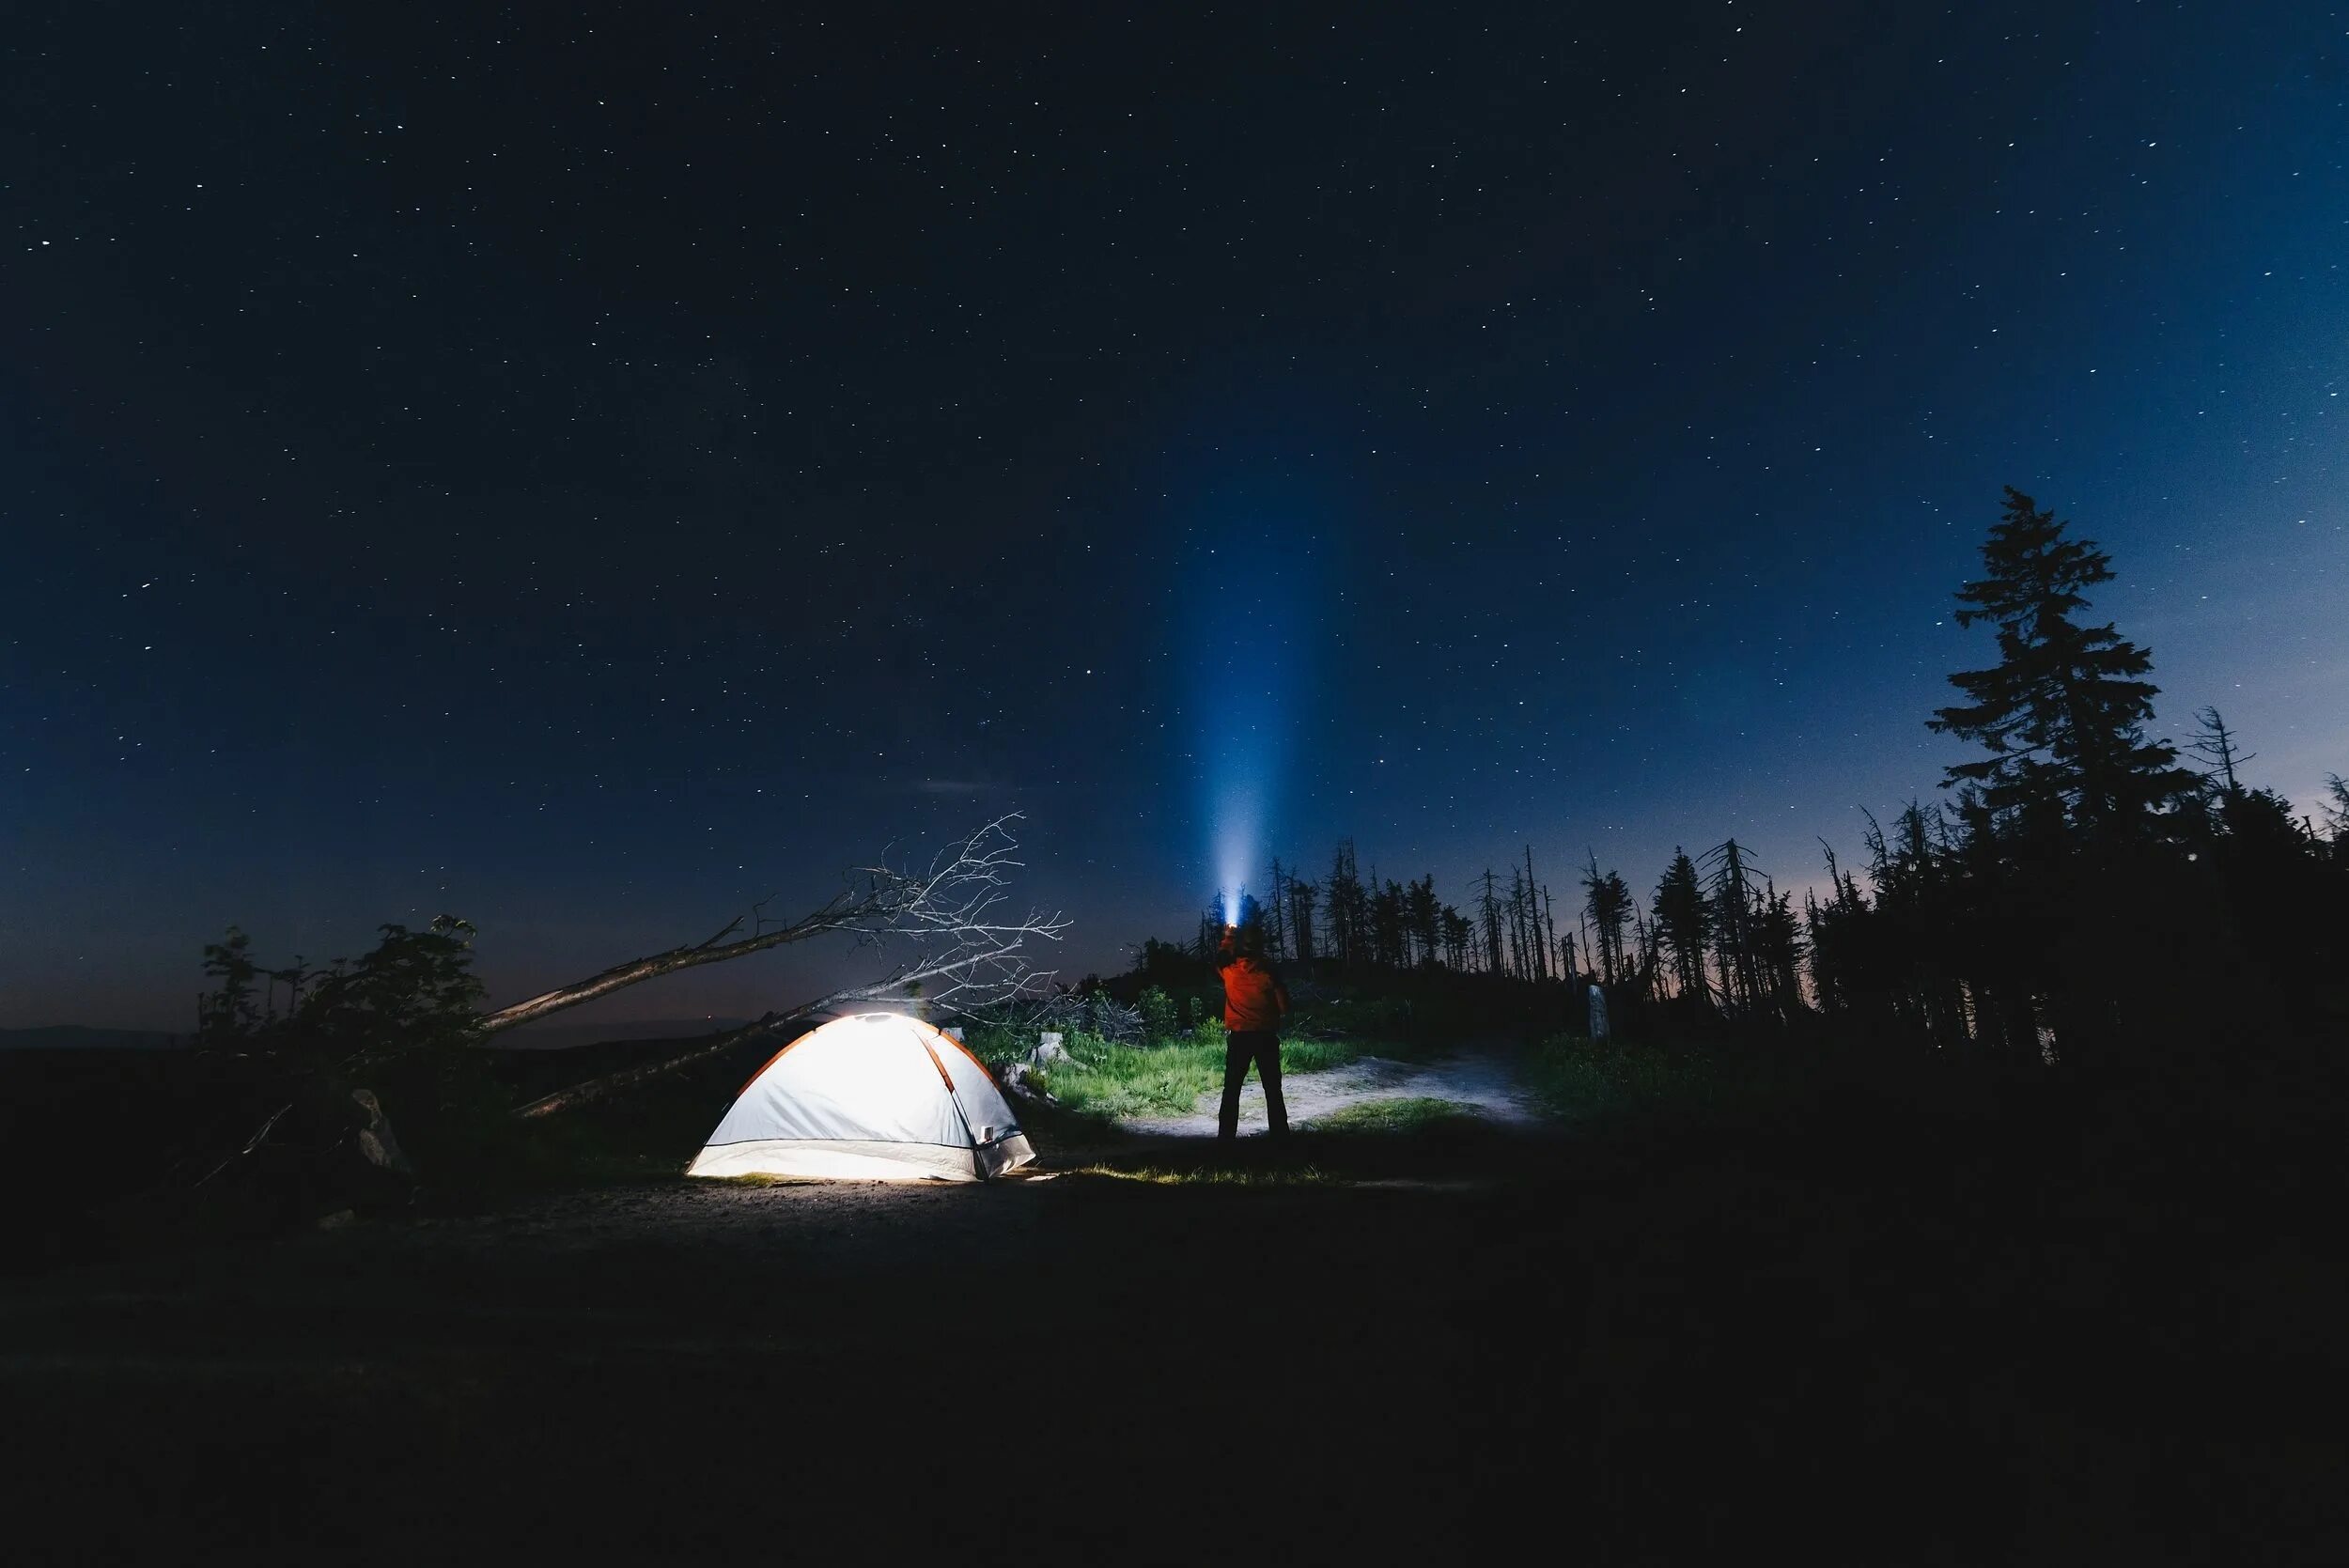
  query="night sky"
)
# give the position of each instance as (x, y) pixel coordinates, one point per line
(586, 470)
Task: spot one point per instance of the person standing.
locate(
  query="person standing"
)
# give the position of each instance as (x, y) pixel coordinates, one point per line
(1254, 999)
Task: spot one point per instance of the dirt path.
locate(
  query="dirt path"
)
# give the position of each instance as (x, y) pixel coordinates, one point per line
(1480, 1077)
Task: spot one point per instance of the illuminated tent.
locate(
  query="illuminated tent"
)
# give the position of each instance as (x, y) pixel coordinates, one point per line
(874, 1098)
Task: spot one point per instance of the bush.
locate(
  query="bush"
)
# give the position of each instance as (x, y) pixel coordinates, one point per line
(1160, 1016)
(999, 1045)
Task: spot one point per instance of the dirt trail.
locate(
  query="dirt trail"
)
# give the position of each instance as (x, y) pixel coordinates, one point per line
(1480, 1077)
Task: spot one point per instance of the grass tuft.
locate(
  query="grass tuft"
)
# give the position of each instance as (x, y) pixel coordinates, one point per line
(1117, 1081)
(1416, 1115)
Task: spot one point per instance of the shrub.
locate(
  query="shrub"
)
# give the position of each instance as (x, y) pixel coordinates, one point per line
(1160, 1016)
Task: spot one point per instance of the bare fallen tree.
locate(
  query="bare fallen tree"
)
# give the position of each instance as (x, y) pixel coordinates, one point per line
(945, 918)
(1096, 1012)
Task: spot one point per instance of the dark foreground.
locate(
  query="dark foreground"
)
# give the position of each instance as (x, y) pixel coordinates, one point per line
(1946, 1340)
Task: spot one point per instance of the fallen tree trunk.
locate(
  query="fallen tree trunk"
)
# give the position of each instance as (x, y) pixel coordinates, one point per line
(844, 912)
(611, 1083)
(958, 966)
(947, 910)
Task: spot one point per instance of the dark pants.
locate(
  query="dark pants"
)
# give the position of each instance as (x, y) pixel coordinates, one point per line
(1263, 1047)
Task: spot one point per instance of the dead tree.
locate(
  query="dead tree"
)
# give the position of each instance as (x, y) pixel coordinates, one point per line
(945, 919)
(2218, 744)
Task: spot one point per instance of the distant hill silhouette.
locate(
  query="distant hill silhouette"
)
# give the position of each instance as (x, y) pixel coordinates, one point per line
(74, 1037)
(563, 1035)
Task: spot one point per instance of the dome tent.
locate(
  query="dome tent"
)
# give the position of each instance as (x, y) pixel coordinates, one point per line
(877, 1096)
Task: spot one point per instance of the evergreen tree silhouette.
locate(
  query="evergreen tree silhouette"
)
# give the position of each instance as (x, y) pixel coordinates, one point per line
(1349, 908)
(2061, 712)
(1302, 899)
(1608, 903)
(1423, 915)
(1682, 926)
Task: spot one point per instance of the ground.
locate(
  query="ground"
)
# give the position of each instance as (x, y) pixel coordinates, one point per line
(1876, 1335)
(1480, 1077)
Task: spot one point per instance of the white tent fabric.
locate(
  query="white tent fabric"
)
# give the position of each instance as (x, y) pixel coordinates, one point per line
(873, 1097)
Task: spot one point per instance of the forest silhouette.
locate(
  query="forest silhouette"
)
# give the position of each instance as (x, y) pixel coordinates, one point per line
(2082, 898)
(1972, 1197)
(2083, 903)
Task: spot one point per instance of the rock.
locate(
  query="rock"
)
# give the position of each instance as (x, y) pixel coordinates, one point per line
(376, 1142)
(1016, 1080)
(1048, 1050)
(337, 1220)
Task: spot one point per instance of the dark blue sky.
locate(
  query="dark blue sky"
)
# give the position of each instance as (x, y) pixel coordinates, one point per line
(586, 473)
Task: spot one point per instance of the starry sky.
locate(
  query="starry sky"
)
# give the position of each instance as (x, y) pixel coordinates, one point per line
(587, 469)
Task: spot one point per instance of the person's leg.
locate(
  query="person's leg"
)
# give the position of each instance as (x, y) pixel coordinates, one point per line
(1269, 1069)
(1235, 1074)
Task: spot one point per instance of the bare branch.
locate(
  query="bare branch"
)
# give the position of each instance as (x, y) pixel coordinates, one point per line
(250, 1144)
(611, 1083)
(948, 907)
(962, 952)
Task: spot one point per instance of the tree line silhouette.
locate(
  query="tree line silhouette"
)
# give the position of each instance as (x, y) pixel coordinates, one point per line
(2082, 894)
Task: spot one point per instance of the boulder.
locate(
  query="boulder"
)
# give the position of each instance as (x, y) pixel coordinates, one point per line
(1050, 1050)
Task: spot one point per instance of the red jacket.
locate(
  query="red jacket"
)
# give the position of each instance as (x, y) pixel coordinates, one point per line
(1253, 997)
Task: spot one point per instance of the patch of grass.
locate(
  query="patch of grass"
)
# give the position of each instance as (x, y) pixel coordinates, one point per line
(1107, 1078)
(1308, 1053)
(1353, 1017)
(1113, 1080)
(1349, 1029)
(1583, 1079)
(1418, 1114)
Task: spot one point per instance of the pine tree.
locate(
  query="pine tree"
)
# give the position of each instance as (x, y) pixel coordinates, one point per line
(1387, 947)
(1348, 908)
(1252, 916)
(1608, 903)
(1731, 916)
(2061, 711)
(1681, 926)
(1425, 917)
(1302, 896)
(1459, 933)
(228, 1013)
(1778, 950)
